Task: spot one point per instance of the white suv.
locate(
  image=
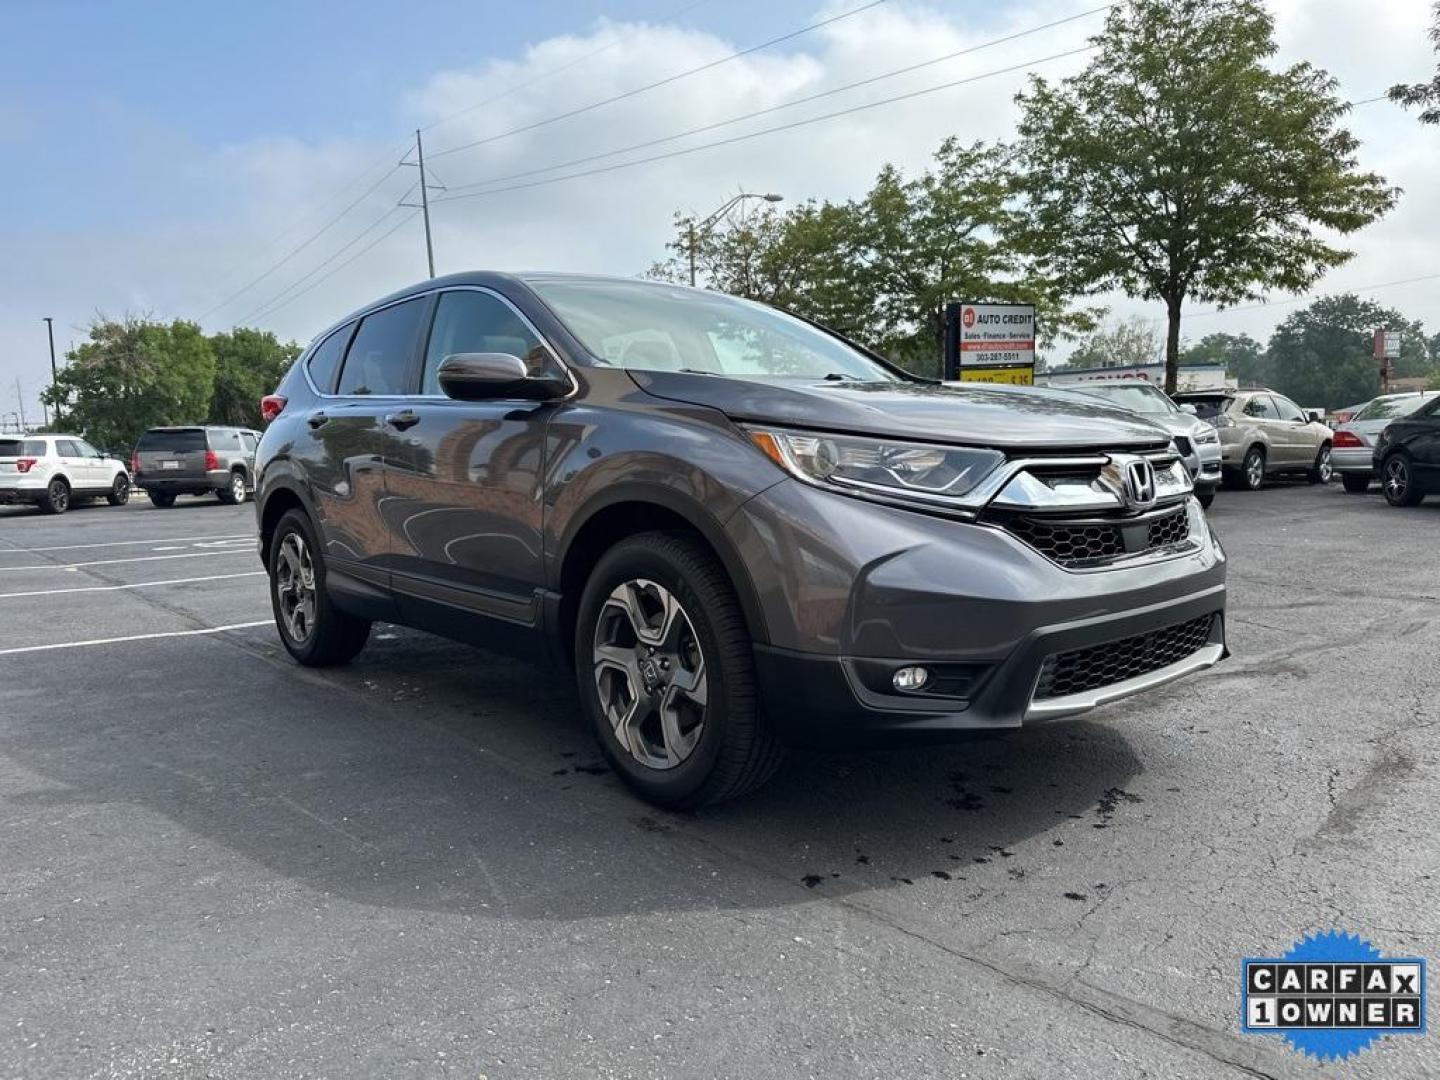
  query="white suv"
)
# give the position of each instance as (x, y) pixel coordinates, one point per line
(52, 470)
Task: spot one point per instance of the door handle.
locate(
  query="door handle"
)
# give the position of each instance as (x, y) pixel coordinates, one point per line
(318, 419)
(403, 419)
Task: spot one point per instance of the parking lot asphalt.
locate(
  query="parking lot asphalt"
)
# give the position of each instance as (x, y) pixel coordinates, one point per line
(216, 864)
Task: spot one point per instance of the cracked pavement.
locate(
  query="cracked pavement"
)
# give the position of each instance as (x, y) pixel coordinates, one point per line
(215, 864)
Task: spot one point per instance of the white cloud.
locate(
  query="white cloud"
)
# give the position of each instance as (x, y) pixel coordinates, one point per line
(619, 221)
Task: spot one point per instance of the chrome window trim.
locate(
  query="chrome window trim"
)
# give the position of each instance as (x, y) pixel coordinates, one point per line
(359, 316)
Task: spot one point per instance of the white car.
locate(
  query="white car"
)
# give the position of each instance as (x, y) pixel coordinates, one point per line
(51, 471)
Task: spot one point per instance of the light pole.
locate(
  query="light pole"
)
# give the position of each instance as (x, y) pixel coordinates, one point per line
(697, 231)
(50, 331)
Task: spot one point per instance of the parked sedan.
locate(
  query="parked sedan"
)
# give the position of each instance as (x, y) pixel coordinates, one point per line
(1262, 434)
(1407, 455)
(1197, 441)
(1353, 452)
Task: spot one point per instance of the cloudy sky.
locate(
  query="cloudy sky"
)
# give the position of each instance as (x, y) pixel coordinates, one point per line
(239, 165)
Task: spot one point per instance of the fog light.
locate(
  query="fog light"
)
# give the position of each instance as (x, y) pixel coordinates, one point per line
(909, 679)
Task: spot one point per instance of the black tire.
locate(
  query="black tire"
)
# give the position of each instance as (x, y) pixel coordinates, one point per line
(333, 636)
(1397, 480)
(119, 491)
(1252, 469)
(56, 499)
(735, 750)
(1321, 471)
(1206, 495)
(1355, 483)
(162, 500)
(234, 493)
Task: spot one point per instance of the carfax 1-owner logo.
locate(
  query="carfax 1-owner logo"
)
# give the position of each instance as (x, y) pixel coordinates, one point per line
(1332, 995)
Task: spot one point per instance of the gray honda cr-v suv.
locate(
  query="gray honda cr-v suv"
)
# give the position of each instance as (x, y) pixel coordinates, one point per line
(739, 529)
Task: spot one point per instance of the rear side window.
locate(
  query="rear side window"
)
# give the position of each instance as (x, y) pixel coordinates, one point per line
(175, 441)
(379, 358)
(476, 322)
(324, 362)
(1261, 407)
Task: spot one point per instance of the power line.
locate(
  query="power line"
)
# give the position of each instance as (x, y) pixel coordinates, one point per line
(267, 306)
(1333, 290)
(661, 82)
(304, 244)
(781, 106)
(772, 130)
(387, 233)
(614, 41)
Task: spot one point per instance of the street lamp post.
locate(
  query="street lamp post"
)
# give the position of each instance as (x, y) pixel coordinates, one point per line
(697, 231)
(54, 375)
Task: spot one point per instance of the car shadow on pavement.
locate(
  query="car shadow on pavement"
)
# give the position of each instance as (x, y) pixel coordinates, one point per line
(430, 776)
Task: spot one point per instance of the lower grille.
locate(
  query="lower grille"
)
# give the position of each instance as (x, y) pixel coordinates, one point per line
(1103, 665)
(1078, 543)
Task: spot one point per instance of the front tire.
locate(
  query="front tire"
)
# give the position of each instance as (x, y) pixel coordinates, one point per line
(119, 491)
(1354, 483)
(666, 674)
(1397, 480)
(312, 629)
(1321, 472)
(57, 497)
(1252, 469)
(233, 493)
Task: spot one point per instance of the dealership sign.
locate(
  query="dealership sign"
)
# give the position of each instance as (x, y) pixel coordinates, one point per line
(990, 342)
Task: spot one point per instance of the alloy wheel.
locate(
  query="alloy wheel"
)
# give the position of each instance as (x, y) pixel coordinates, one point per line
(237, 487)
(1324, 470)
(59, 496)
(650, 673)
(295, 587)
(1254, 470)
(1397, 479)
(121, 494)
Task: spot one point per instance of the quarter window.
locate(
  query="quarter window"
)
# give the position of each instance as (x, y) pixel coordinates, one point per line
(379, 358)
(324, 362)
(477, 322)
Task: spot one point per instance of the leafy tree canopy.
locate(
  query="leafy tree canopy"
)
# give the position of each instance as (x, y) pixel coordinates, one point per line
(1426, 95)
(1181, 165)
(1129, 343)
(1241, 354)
(249, 364)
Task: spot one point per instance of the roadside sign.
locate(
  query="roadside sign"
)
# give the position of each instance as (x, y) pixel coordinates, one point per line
(990, 343)
(1387, 344)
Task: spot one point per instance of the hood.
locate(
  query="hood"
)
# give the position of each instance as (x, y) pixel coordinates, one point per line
(1178, 423)
(976, 414)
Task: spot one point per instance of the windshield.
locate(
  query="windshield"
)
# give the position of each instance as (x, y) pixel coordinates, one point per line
(1387, 408)
(649, 327)
(1140, 399)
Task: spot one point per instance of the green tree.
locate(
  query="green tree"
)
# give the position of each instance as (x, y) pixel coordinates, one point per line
(1324, 354)
(1129, 343)
(133, 374)
(1240, 353)
(881, 268)
(248, 365)
(1180, 165)
(1425, 95)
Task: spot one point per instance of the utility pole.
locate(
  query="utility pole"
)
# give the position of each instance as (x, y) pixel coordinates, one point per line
(424, 203)
(54, 374)
(20, 399)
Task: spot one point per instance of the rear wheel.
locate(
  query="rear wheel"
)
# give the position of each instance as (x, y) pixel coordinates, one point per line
(119, 491)
(1321, 472)
(162, 499)
(313, 630)
(57, 497)
(233, 494)
(1355, 483)
(665, 670)
(1397, 479)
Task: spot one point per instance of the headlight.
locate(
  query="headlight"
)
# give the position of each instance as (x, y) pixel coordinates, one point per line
(1206, 435)
(923, 471)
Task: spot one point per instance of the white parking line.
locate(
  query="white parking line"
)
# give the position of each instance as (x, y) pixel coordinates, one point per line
(142, 558)
(123, 543)
(135, 637)
(136, 585)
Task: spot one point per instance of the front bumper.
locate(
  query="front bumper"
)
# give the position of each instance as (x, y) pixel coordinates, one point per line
(874, 589)
(1208, 455)
(1353, 460)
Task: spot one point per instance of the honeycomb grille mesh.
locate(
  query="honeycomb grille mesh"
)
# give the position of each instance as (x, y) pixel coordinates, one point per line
(1072, 543)
(1103, 665)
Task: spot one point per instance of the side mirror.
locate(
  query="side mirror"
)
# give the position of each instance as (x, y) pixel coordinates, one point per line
(1186, 407)
(487, 376)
